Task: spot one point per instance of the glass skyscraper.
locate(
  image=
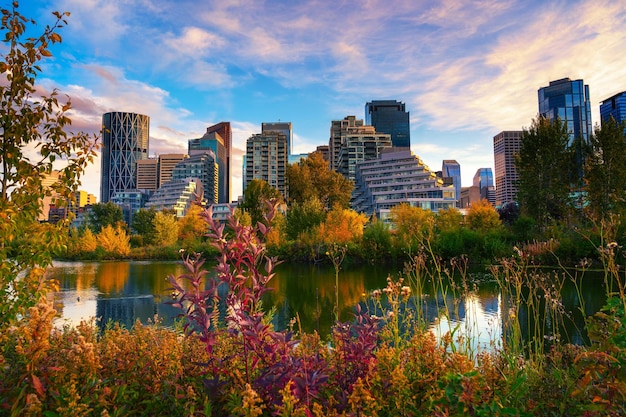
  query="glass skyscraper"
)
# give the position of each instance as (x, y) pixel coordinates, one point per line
(391, 117)
(615, 107)
(217, 139)
(569, 101)
(452, 169)
(124, 142)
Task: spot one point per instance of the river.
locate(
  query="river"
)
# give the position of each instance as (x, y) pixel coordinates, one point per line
(125, 291)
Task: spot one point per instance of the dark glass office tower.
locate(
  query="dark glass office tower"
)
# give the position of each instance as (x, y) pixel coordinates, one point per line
(569, 101)
(614, 107)
(391, 117)
(124, 142)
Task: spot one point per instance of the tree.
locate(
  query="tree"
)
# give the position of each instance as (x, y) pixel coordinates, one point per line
(143, 224)
(483, 217)
(105, 214)
(544, 171)
(165, 228)
(304, 216)
(449, 220)
(605, 172)
(413, 225)
(255, 198)
(192, 226)
(342, 226)
(311, 178)
(114, 240)
(34, 141)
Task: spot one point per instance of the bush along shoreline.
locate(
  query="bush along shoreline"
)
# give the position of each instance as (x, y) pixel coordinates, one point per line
(225, 358)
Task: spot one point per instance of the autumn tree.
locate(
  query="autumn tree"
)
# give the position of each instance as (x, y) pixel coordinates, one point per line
(544, 167)
(483, 217)
(114, 241)
(34, 141)
(165, 228)
(256, 197)
(342, 226)
(192, 227)
(448, 220)
(412, 225)
(311, 178)
(605, 172)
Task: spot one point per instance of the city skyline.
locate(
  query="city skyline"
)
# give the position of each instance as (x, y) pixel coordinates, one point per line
(466, 70)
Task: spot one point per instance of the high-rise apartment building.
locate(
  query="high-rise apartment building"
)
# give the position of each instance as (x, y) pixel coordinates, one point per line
(282, 127)
(391, 117)
(203, 166)
(124, 142)
(452, 169)
(338, 130)
(360, 144)
(167, 163)
(569, 101)
(266, 159)
(398, 177)
(615, 107)
(148, 174)
(214, 141)
(506, 145)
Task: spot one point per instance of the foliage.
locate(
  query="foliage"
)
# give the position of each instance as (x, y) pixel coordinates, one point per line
(303, 217)
(255, 195)
(545, 173)
(509, 213)
(114, 241)
(605, 173)
(342, 226)
(450, 219)
(413, 225)
(88, 241)
(482, 217)
(376, 242)
(105, 214)
(143, 224)
(191, 227)
(165, 228)
(311, 179)
(34, 141)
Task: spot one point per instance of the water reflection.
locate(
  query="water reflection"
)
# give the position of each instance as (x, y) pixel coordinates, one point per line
(128, 291)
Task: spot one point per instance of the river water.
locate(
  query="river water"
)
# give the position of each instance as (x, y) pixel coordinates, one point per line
(125, 291)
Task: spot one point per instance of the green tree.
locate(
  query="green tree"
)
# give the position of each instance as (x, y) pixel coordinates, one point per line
(143, 224)
(544, 171)
(255, 198)
(105, 214)
(34, 140)
(303, 217)
(312, 178)
(605, 172)
(165, 228)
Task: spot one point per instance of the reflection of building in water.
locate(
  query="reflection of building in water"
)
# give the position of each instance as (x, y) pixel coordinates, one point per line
(125, 310)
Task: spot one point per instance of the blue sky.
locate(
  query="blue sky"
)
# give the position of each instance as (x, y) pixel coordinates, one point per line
(465, 69)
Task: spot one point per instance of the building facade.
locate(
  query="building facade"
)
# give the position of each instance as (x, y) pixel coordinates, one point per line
(282, 127)
(225, 132)
(266, 159)
(391, 117)
(398, 177)
(506, 145)
(148, 174)
(451, 169)
(338, 130)
(483, 180)
(214, 142)
(167, 163)
(177, 195)
(569, 101)
(125, 139)
(615, 107)
(203, 167)
(360, 144)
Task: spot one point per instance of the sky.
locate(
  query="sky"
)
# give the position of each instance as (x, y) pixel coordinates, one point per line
(466, 70)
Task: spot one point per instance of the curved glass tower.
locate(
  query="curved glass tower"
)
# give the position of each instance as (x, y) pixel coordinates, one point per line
(124, 142)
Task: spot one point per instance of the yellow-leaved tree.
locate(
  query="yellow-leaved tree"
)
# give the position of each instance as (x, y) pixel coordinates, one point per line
(88, 241)
(483, 217)
(165, 228)
(413, 226)
(114, 241)
(342, 226)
